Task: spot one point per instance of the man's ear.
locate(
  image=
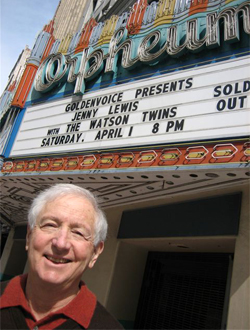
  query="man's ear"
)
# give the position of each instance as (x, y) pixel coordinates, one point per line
(27, 238)
(97, 251)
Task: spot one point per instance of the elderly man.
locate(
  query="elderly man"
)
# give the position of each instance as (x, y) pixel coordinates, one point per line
(65, 236)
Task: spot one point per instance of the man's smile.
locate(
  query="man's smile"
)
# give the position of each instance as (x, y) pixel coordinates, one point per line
(57, 260)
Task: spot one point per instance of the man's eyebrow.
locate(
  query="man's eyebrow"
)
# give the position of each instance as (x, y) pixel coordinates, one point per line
(49, 217)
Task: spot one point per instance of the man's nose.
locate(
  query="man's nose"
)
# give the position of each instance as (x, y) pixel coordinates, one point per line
(62, 240)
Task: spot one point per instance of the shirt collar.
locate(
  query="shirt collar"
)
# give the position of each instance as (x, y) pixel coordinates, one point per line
(80, 309)
(14, 293)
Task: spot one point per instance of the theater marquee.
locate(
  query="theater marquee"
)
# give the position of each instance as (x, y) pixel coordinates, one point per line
(206, 103)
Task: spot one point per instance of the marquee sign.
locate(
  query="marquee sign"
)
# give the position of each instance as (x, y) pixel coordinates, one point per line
(211, 102)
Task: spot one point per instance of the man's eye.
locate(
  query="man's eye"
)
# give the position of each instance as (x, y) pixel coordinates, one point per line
(48, 225)
(78, 233)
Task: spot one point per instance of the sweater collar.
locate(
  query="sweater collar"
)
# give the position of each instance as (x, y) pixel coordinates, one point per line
(80, 309)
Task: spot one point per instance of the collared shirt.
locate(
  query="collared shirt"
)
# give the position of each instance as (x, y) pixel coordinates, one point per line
(80, 309)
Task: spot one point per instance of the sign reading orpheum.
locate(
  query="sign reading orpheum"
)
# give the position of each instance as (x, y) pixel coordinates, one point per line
(207, 103)
(161, 43)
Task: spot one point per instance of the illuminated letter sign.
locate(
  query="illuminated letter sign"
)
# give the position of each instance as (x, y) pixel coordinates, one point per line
(88, 65)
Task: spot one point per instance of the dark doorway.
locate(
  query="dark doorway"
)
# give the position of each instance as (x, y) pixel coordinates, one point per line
(183, 291)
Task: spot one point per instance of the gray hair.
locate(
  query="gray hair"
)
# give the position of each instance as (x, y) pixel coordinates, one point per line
(61, 189)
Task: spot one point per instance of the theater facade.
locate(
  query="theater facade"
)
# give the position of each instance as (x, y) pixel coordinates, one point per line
(150, 111)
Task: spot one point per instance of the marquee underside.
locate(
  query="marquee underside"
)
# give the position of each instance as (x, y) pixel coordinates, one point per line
(115, 188)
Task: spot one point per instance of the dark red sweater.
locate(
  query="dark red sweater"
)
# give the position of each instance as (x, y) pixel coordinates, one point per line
(83, 312)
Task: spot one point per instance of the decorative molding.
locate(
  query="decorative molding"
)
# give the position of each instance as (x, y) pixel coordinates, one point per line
(237, 152)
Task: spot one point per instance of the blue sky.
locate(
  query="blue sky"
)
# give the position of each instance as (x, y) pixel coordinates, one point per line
(21, 21)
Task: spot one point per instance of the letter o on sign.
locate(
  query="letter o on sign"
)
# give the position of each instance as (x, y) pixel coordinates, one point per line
(221, 105)
(50, 72)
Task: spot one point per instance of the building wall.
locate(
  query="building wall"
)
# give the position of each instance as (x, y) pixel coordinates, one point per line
(238, 315)
(13, 81)
(121, 267)
(68, 16)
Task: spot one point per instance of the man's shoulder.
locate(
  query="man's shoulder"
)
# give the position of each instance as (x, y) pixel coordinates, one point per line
(15, 283)
(3, 286)
(102, 319)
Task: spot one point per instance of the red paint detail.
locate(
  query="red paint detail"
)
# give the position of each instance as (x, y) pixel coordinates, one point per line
(50, 27)
(48, 47)
(12, 86)
(198, 6)
(136, 16)
(24, 86)
(85, 35)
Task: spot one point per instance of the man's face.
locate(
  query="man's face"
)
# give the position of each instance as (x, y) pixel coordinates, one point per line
(60, 247)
